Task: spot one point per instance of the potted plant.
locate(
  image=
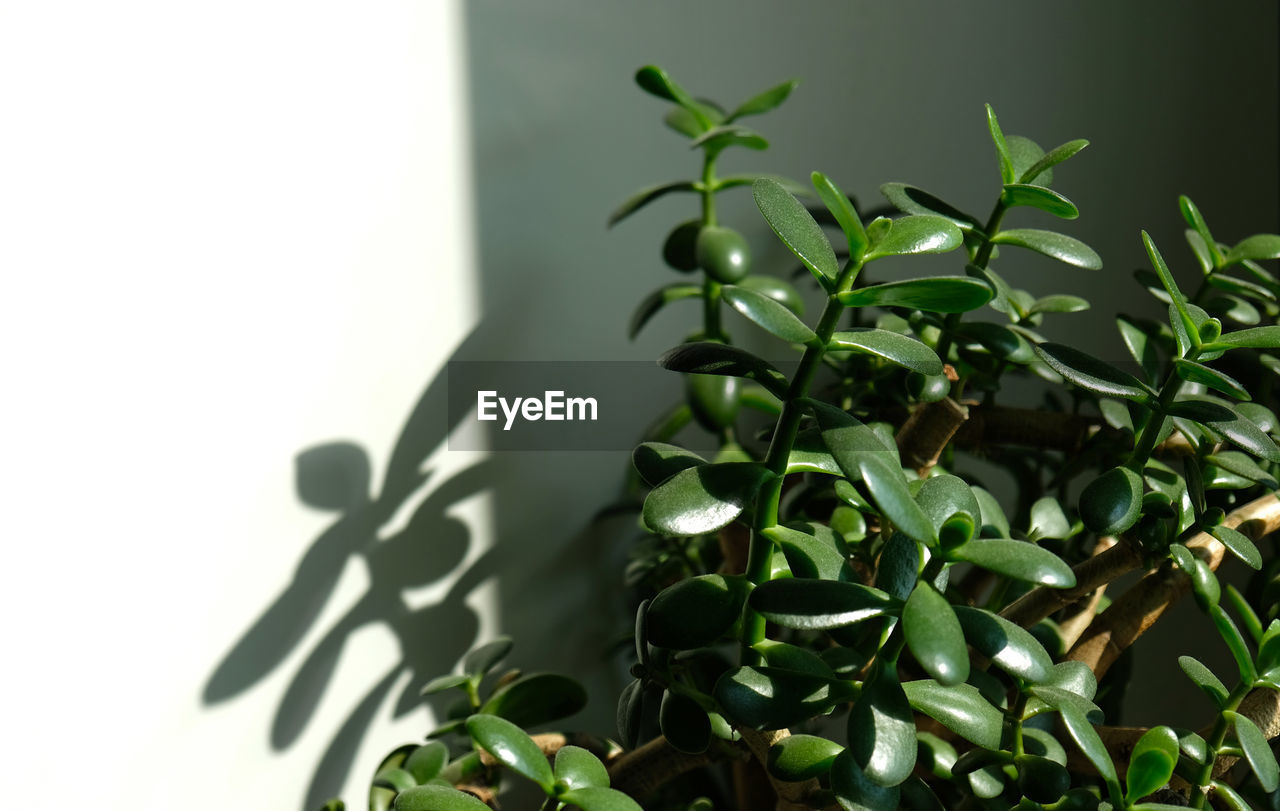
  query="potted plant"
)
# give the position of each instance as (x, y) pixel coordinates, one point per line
(833, 611)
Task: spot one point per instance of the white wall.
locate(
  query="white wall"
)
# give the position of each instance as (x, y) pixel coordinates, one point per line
(228, 232)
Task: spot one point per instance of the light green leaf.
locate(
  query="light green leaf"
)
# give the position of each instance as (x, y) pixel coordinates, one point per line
(906, 352)
(1017, 194)
(842, 209)
(800, 757)
(511, 747)
(1002, 147)
(1152, 762)
(915, 234)
(577, 768)
(1258, 246)
(763, 102)
(768, 314)
(1052, 244)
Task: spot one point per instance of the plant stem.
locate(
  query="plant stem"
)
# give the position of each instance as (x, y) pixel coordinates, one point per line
(1219, 734)
(1151, 431)
(711, 328)
(551, 804)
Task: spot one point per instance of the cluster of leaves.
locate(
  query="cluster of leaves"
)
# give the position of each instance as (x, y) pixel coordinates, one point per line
(855, 602)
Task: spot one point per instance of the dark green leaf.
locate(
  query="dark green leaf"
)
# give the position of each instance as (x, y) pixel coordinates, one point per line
(912, 200)
(1088, 372)
(1228, 798)
(718, 138)
(1238, 544)
(914, 234)
(1009, 646)
(800, 757)
(658, 299)
(768, 314)
(1204, 679)
(577, 768)
(684, 724)
(696, 611)
(1141, 344)
(1112, 503)
(1193, 217)
(1058, 303)
(960, 708)
(600, 799)
(1086, 737)
(1041, 779)
(882, 731)
(797, 229)
(1017, 194)
(1227, 629)
(646, 196)
(933, 634)
(1258, 246)
(993, 521)
(1255, 338)
(893, 499)
(1256, 751)
(792, 657)
(710, 358)
(1225, 420)
(937, 294)
(1053, 158)
(1253, 624)
(808, 556)
(849, 440)
(1199, 373)
(1151, 763)
(536, 699)
(1051, 243)
(776, 289)
(426, 761)
(765, 101)
(1002, 147)
(486, 657)
(1179, 301)
(437, 798)
(704, 498)
(657, 461)
(820, 604)
(394, 779)
(905, 352)
(842, 209)
(1020, 560)
(770, 698)
(630, 714)
(855, 791)
(511, 747)
(945, 497)
(442, 683)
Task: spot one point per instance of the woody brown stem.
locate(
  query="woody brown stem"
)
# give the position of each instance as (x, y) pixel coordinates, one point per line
(1110, 561)
(927, 431)
(791, 796)
(641, 772)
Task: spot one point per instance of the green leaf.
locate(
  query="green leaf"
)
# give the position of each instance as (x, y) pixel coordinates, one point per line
(486, 657)
(936, 294)
(1009, 646)
(960, 708)
(1053, 158)
(882, 731)
(842, 209)
(899, 349)
(426, 761)
(655, 301)
(1253, 624)
(797, 229)
(394, 780)
(915, 234)
(993, 520)
(1091, 745)
(1256, 751)
(1041, 779)
(945, 498)
(704, 498)
(776, 289)
(1194, 372)
(771, 698)
(1193, 217)
(695, 612)
(848, 440)
(1017, 194)
(630, 714)
(1152, 762)
(658, 461)
(719, 138)
(820, 604)
(1052, 244)
(1178, 300)
(600, 799)
(1002, 147)
(1112, 503)
(1238, 544)
(577, 768)
(792, 657)
(437, 798)
(686, 123)
(1258, 246)
(1141, 344)
(1020, 560)
(710, 358)
(442, 683)
(934, 636)
(855, 791)
(1024, 153)
(684, 723)
(1204, 678)
(536, 698)
(763, 102)
(646, 196)
(511, 747)
(893, 499)
(1048, 520)
(1269, 651)
(800, 757)
(912, 200)
(768, 314)
(1058, 303)
(1255, 338)
(1092, 374)
(1227, 629)
(807, 555)
(1228, 798)
(1225, 420)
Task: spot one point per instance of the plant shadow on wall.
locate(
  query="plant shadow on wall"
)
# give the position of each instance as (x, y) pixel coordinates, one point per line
(431, 546)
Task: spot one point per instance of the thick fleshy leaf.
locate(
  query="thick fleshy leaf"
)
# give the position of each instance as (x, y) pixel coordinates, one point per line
(776, 289)
(536, 698)
(1258, 246)
(718, 138)
(793, 657)
(1141, 343)
(1255, 338)
(1002, 147)
(1112, 503)
(960, 708)
(1051, 159)
(1225, 420)
(1226, 627)
(697, 611)
(684, 723)
(936, 294)
(437, 798)
(1045, 698)
(1041, 779)
(1097, 376)
(892, 497)
(426, 761)
(1205, 679)
(1256, 751)
(1178, 300)
(1152, 762)
(994, 522)
(1242, 465)
(765, 101)
(578, 768)
(394, 780)
(914, 234)
(1238, 544)
(912, 200)
(442, 683)
(768, 314)
(882, 731)
(1009, 646)
(1091, 745)
(807, 555)
(630, 714)
(704, 498)
(899, 349)
(710, 358)
(655, 301)
(1059, 303)
(797, 229)
(934, 636)
(679, 249)
(1048, 520)
(952, 506)
(771, 698)
(1052, 244)
(600, 799)
(646, 196)
(486, 657)
(1228, 798)
(1020, 560)
(511, 747)
(654, 80)
(838, 203)
(849, 440)
(800, 757)
(1024, 153)
(1018, 194)
(658, 461)
(820, 604)
(855, 791)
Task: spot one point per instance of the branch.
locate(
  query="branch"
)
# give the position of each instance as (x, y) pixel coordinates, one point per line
(643, 771)
(1137, 609)
(927, 431)
(552, 742)
(791, 796)
(1110, 561)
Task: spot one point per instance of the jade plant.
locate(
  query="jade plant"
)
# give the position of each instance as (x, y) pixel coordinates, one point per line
(838, 610)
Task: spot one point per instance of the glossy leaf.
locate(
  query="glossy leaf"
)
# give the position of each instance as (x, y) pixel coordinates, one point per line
(882, 731)
(600, 799)
(704, 498)
(710, 358)
(722, 253)
(1256, 247)
(1229, 632)
(763, 102)
(394, 780)
(658, 461)
(1178, 300)
(426, 761)
(437, 798)
(696, 611)
(807, 555)
(486, 657)
(1227, 797)
(1009, 646)
(1112, 503)
(855, 791)
(768, 314)
(1058, 303)
(1020, 560)
(849, 441)
(1151, 763)
(899, 349)
(960, 708)
(1222, 419)
(630, 714)
(1238, 544)
(797, 229)
(1092, 374)
(1204, 678)
(577, 768)
(654, 80)
(684, 724)
(800, 757)
(655, 301)
(1018, 194)
(646, 196)
(916, 234)
(892, 497)
(1256, 751)
(842, 209)
(1091, 745)
(1199, 373)
(937, 294)
(1048, 520)
(776, 289)
(1052, 244)
(1256, 338)
(1051, 159)
(912, 200)
(511, 747)
(1002, 147)
(536, 698)
(820, 604)
(719, 138)
(771, 698)
(934, 635)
